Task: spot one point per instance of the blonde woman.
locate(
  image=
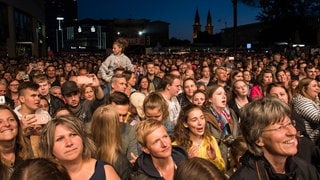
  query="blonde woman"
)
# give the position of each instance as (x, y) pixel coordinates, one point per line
(65, 140)
(106, 133)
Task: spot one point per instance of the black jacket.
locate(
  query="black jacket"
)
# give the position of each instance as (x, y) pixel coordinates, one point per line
(157, 82)
(55, 104)
(296, 168)
(144, 168)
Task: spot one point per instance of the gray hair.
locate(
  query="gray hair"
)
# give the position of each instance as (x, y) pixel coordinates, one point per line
(257, 115)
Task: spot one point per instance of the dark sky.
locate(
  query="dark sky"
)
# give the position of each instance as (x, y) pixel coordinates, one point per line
(179, 13)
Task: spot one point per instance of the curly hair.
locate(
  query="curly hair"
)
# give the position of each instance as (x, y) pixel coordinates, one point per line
(181, 133)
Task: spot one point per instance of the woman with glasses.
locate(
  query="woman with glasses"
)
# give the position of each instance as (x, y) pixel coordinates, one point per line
(272, 143)
(306, 148)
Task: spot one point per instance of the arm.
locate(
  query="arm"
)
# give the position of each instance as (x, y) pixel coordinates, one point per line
(308, 110)
(129, 65)
(106, 73)
(98, 90)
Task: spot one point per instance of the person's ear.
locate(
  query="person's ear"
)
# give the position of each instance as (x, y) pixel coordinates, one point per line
(145, 150)
(185, 125)
(21, 99)
(260, 142)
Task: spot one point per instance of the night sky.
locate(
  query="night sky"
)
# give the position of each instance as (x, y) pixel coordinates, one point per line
(179, 13)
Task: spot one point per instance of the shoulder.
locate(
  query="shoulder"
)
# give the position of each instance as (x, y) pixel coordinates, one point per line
(110, 172)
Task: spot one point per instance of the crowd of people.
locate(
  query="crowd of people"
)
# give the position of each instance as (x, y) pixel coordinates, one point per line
(190, 116)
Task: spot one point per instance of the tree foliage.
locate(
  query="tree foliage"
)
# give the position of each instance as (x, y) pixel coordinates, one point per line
(293, 21)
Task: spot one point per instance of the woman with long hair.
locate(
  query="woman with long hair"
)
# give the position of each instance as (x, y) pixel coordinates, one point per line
(106, 133)
(222, 120)
(239, 97)
(306, 104)
(65, 141)
(264, 78)
(143, 85)
(191, 133)
(10, 147)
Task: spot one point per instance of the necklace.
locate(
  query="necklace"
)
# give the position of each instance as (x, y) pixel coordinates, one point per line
(198, 143)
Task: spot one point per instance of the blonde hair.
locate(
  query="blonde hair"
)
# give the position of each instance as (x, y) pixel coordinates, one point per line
(145, 128)
(106, 133)
(73, 123)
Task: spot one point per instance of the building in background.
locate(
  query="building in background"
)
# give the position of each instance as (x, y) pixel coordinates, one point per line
(22, 28)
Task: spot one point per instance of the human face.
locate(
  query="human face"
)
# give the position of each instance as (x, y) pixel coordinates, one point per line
(222, 75)
(51, 72)
(267, 78)
(155, 114)
(313, 89)
(206, 72)
(174, 88)
(7, 76)
(68, 67)
(280, 93)
(133, 79)
(73, 99)
(67, 144)
(56, 92)
(13, 86)
(89, 93)
(116, 49)
(199, 99)
(241, 88)
(189, 88)
(311, 73)
(144, 83)
(239, 76)
(3, 90)
(120, 85)
(122, 111)
(282, 77)
(8, 126)
(279, 140)
(219, 99)
(30, 99)
(150, 69)
(44, 105)
(40, 65)
(158, 144)
(195, 123)
(44, 88)
(247, 76)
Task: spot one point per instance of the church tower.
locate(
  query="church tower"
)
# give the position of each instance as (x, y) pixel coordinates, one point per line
(209, 26)
(196, 25)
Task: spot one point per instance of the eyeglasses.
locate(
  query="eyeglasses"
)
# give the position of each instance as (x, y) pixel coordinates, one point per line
(282, 127)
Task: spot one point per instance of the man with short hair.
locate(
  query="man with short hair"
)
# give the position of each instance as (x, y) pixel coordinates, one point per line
(159, 158)
(55, 103)
(154, 81)
(29, 98)
(52, 77)
(171, 88)
(122, 102)
(118, 83)
(83, 109)
(310, 71)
